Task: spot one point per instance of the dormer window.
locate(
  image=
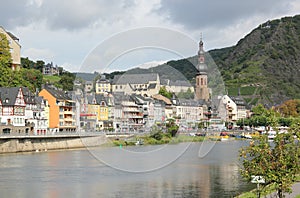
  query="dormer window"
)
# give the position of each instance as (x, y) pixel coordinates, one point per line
(6, 100)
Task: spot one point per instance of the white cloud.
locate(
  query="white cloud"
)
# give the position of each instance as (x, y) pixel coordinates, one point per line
(66, 31)
(39, 54)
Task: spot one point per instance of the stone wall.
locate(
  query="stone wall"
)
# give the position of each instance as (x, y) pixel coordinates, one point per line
(13, 145)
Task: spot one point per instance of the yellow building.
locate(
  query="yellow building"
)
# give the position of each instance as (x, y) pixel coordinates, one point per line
(61, 110)
(97, 106)
(15, 49)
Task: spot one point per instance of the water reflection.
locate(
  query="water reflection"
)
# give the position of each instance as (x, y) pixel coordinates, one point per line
(77, 173)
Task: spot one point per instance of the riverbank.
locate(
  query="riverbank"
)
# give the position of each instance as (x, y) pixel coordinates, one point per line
(271, 192)
(156, 139)
(15, 144)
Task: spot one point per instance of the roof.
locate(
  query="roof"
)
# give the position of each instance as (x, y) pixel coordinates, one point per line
(29, 97)
(238, 101)
(162, 98)
(8, 95)
(134, 78)
(58, 94)
(152, 86)
(13, 36)
(189, 102)
(182, 83)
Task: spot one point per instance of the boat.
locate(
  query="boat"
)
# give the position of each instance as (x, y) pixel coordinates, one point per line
(139, 142)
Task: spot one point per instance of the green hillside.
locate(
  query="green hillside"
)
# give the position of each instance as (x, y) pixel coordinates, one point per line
(264, 67)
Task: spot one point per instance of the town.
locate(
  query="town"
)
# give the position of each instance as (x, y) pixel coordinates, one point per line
(128, 103)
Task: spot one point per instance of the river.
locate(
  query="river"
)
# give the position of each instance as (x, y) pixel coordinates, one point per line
(181, 170)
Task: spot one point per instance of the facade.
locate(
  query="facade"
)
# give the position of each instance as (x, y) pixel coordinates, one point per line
(177, 86)
(235, 108)
(139, 84)
(169, 108)
(61, 110)
(189, 110)
(50, 69)
(102, 86)
(201, 88)
(35, 112)
(88, 87)
(12, 111)
(15, 49)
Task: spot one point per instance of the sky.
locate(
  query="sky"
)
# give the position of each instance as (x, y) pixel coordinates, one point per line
(102, 35)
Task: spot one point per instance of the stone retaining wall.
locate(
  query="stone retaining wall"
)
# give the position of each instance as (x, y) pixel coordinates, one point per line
(14, 145)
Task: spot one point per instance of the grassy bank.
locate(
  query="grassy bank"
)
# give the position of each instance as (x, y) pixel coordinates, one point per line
(266, 191)
(158, 138)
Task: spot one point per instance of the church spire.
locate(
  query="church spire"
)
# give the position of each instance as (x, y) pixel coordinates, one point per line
(201, 58)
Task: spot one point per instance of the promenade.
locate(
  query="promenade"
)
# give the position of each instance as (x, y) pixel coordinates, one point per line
(296, 191)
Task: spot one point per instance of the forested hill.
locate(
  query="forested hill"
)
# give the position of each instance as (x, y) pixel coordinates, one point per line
(264, 66)
(268, 59)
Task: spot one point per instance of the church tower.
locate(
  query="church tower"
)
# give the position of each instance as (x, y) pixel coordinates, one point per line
(202, 90)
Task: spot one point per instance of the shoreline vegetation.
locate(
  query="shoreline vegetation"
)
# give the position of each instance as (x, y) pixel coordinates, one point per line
(269, 189)
(156, 139)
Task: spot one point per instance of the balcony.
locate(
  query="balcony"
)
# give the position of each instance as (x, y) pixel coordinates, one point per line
(127, 109)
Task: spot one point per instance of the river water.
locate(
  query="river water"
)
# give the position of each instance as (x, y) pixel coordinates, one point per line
(181, 170)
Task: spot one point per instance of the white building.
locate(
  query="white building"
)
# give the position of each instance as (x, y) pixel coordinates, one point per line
(235, 108)
(139, 84)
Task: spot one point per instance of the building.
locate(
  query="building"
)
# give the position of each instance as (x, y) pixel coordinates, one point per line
(169, 108)
(88, 87)
(50, 69)
(61, 110)
(139, 84)
(15, 49)
(201, 88)
(12, 111)
(102, 86)
(235, 108)
(128, 115)
(189, 110)
(177, 86)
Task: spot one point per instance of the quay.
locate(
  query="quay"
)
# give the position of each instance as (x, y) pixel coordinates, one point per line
(36, 143)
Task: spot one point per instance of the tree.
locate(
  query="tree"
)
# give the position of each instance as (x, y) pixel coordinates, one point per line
(5, 56)
(278, 162)
(163, 91)
(27, 63)
(67, 81)
(39, 65)
(33, 76)
(188, 94)
(172, 127)
(290, 108)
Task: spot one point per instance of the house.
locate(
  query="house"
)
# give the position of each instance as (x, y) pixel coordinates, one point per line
(139, 84)
(12, 111)
(50, 69)
(102, 85)
(235, 108)
(62, 110)
(40, 116)
(35, 113)
(169, 108)
(88, 86)
(189, 110)
(15, 49)
(128, 115)
(177, 86)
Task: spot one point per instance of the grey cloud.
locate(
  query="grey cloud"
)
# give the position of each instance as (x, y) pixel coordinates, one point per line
(15, 13)
(218, 13)
(57, 14)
